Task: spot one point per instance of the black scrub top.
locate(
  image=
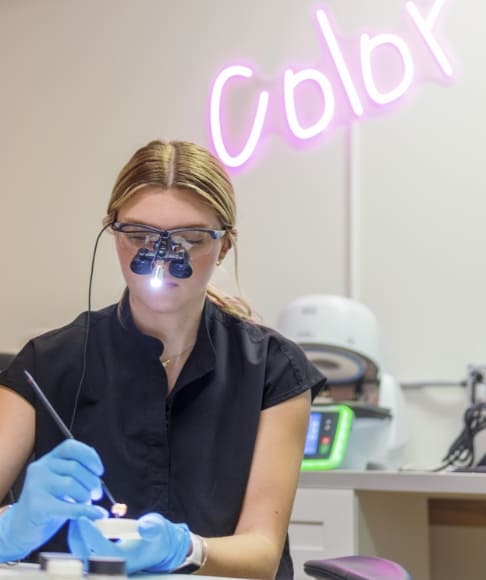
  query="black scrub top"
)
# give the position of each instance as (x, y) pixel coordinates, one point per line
(186, 454)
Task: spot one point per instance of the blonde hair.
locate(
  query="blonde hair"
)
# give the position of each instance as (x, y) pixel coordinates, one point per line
(185, 166)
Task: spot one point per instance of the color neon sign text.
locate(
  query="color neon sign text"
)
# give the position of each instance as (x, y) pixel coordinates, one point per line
(361, 86)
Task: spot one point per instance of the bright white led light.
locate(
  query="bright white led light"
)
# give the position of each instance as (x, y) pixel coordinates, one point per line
(157, 275)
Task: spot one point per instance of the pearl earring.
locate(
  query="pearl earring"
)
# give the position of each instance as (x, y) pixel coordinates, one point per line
(218, 262)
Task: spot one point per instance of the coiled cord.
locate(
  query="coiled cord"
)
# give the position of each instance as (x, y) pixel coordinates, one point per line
(461, 452)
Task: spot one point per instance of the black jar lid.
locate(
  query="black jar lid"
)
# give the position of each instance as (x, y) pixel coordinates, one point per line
(108, 565)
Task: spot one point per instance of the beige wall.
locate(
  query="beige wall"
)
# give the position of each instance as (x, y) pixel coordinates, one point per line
(85, 82)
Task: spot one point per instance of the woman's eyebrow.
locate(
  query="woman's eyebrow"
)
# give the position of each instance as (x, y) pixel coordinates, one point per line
(179, 226)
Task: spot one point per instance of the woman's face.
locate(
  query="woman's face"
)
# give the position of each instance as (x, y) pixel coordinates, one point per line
(168, 210)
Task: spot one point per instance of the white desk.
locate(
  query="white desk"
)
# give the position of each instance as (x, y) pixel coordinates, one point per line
(401, 516)
(32, 572)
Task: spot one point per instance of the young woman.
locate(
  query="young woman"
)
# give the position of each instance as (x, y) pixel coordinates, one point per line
(198, 414)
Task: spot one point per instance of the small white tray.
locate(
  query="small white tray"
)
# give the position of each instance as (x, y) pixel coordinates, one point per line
(118, 528)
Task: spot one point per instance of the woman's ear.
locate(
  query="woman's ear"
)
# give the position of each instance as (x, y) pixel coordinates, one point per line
(228, 241)
(224, 250)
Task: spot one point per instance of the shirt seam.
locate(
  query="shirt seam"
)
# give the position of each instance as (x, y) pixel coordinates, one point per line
(297, 390)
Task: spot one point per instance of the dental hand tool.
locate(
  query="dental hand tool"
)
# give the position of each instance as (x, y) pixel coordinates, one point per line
(117, 509)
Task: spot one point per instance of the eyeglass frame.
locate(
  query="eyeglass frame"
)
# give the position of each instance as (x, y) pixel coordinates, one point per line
(166, 234)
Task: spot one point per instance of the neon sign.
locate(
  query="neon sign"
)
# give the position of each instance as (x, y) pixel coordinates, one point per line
(360, 90)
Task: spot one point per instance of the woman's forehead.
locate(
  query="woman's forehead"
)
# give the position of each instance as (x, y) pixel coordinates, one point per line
(167, 208)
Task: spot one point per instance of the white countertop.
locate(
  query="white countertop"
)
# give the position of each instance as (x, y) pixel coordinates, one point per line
(32, 572)
(402, 481)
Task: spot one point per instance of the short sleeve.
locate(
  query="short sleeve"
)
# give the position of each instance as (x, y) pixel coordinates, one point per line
(289, 372)
(13, 376)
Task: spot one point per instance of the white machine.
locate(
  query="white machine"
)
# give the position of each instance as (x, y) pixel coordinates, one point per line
(341, 337)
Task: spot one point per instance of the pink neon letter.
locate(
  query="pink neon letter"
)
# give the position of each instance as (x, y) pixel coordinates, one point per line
(291, 80)
(340, 63)
(368, 45)
(425, 28)
(215, 118)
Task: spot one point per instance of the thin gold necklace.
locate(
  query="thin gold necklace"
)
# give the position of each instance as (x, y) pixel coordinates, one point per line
(167, 361)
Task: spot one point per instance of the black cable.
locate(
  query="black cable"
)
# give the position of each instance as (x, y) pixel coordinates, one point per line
(11, 493)
(461, 452)
(86, 329)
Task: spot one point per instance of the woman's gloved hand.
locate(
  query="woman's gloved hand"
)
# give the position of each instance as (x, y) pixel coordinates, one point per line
(57, 487)
(163, 545)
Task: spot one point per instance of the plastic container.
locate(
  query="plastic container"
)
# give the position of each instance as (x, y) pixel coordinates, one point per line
(366, 443)
(64, 568)
(45, 557)
(106, 568)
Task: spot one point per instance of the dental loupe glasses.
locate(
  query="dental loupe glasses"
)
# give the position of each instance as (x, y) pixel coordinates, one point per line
(157, 248)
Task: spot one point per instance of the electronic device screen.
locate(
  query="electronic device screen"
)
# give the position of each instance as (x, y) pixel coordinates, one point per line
(327, 437)
(312, 438)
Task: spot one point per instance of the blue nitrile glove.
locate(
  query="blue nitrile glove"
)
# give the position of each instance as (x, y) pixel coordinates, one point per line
(57, 487)
(163, 545)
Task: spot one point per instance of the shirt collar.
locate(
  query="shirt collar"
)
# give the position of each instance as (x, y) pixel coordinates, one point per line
(148, 344)
(203, 356)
